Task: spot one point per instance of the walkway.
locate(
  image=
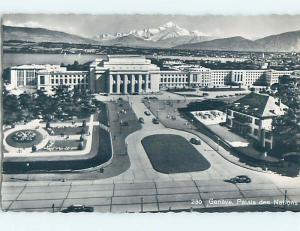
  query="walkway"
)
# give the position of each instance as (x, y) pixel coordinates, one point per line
(14, 152)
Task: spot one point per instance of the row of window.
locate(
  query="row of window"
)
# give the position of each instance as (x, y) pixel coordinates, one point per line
(66, 81)
(68, 76)
(172, 80)
(173, 75)
(63, 81)
(268, 134)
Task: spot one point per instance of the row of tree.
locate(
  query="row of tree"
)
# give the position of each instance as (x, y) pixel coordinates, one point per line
(287, 127)
(63, 104)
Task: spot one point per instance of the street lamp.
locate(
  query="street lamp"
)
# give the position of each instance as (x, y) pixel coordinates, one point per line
(27, 165)
(126, 147)
(192, 123)
(142, 204)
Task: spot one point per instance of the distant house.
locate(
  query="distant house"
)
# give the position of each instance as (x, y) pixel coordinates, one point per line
(252, 116)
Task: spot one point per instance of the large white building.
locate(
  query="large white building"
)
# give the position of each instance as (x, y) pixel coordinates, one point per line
(25, 76)
(134, 74)
(124, 74)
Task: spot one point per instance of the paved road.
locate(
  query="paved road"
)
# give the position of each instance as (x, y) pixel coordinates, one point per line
(141, 188)
(141, 196)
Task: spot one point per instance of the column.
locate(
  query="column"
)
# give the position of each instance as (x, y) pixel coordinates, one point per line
(111, 82)
(143, 83)
(118, 84)
(125, 84)
(140, 83)
(132, 83)
(146, 83)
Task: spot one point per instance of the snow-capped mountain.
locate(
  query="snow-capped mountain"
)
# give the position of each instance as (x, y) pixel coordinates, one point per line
(167, 35)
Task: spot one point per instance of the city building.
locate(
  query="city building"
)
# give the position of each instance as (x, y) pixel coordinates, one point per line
(134, 74)
(50, 79)
(252, 116)
(124, 74)
(25, 76)
(272, 76)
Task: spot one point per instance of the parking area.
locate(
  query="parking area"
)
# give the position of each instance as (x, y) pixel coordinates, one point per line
(209, 117)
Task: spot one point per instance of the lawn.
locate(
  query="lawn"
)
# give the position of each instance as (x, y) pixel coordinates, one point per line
(63, 145)
(68, 130)
(173, 154)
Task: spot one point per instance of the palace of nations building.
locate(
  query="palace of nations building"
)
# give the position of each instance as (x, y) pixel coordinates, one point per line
(133, 74)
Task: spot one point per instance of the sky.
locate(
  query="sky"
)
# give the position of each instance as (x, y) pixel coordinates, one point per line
(88, 25)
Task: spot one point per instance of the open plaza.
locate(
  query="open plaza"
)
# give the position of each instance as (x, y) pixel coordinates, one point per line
(145, 149)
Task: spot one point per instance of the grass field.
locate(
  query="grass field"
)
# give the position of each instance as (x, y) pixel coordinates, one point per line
(173, 154)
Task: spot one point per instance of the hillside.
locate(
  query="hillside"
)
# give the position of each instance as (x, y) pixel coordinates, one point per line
(41, 35)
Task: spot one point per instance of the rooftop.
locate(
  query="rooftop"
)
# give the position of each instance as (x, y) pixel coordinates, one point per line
(259, 105)
(36, 66)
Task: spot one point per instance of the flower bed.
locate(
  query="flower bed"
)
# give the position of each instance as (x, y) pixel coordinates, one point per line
(24, 136)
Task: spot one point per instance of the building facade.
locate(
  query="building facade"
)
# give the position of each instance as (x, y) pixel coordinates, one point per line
(25, 76)
(120, 74)
(48, 80)
(252, 116)
(134, 74)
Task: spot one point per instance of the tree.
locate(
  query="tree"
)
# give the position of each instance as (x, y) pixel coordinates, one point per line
(80, 146)
(81, 138)
(33, 148)
(274, 86)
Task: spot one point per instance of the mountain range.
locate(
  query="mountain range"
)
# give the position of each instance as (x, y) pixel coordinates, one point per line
(165, 36)
(284, 42)
(41, 35)
(168, 35)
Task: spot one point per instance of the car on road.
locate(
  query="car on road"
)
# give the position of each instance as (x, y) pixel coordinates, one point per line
(195, 141)
(147, 113)
(239, 179)
(77, 208)
(155, 121)
(123, 111)
(141, 120)
(173, 117)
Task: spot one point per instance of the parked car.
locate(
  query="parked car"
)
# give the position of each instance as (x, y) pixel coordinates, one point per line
(195, 141)
(155, 121)
(77, 208)
(239, 179)
(147, 113)
(141, 120)
(124, 123)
